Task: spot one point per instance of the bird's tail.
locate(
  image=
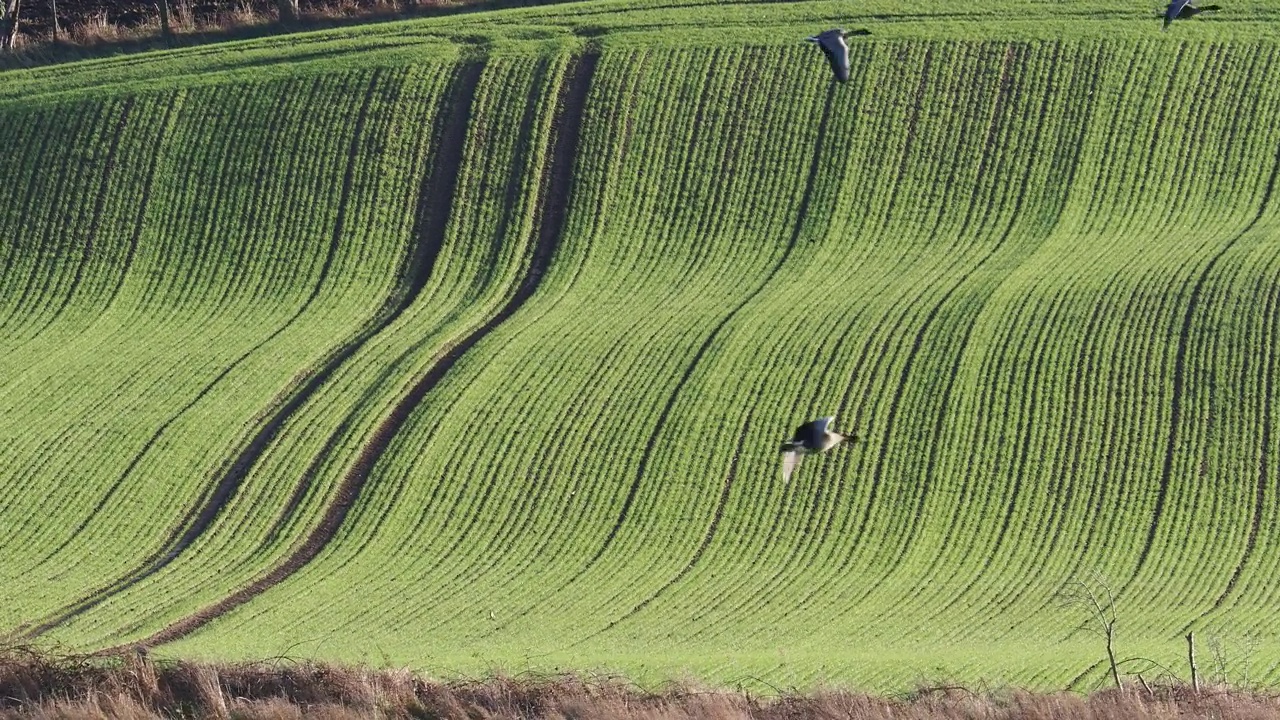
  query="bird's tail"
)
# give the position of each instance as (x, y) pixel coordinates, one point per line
(789, 446)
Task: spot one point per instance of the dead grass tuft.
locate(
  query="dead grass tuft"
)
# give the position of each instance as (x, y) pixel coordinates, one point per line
(95, 34)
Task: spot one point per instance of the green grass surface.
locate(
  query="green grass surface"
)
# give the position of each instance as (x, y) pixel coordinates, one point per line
(1029, 252)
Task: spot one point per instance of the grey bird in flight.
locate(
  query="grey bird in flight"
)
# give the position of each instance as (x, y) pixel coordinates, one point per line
(836, 49)
(1184, 9)
(811, 438)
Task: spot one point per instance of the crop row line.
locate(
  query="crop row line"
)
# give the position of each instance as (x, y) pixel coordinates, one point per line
(203, 512)
(556, 190)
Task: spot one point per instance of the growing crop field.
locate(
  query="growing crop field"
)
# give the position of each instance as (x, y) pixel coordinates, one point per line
(468, 343)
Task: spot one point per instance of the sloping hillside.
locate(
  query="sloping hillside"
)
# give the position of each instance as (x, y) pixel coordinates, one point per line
(470, 342)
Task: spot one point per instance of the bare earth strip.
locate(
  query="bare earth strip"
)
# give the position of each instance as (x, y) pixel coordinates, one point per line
(554, 198)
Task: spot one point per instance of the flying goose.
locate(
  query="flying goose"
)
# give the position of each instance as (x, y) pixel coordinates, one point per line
(1184, 9)
(811, 438)
(836, 49)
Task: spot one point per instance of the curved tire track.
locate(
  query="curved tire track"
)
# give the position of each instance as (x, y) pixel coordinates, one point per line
(511, 195)
(557, 186)
(201, 516)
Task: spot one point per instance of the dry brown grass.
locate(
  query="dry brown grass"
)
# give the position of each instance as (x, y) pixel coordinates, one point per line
(35, 685)
(95, 35)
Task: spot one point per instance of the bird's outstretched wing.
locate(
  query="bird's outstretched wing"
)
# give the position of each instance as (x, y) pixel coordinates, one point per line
(789, 461)
(837, 52)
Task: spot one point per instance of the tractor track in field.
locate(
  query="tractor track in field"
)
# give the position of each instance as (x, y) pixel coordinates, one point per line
(625, 143)
(1179, 383)
(458, 142)
(801, 215)
(511, 198)
(553, 200)
(202, 515)
(728, 161)
(599, 210)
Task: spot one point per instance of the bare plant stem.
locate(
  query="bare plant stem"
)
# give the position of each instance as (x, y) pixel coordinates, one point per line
(1191, 658)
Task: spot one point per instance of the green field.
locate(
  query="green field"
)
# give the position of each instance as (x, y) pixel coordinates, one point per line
(468, 343)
